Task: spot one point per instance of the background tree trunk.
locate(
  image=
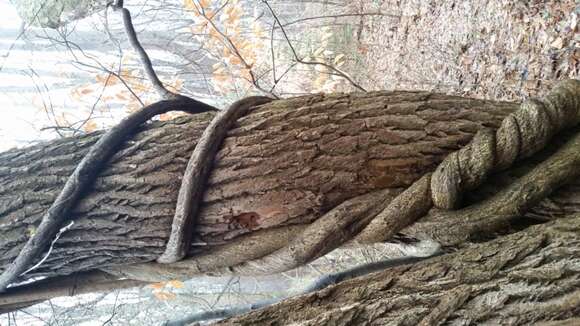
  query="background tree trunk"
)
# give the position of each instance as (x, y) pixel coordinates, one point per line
(286, 163)
(524, 278)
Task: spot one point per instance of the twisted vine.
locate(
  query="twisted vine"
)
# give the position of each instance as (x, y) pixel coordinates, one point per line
(520, 135)
(363, 219)
(196, 174)
(83, 176)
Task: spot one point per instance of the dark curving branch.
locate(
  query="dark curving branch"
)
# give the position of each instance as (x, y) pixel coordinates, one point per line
(143, 56)
(83, 176)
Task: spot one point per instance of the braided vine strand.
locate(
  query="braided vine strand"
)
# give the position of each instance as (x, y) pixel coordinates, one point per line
(520, 135)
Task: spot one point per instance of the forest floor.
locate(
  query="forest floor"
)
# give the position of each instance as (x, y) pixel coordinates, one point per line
(493, 49)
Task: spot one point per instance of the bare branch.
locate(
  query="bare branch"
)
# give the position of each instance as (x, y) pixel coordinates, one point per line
(332, 68)
(85, 282)
(143, 56)
(234, 49)
(99, 66)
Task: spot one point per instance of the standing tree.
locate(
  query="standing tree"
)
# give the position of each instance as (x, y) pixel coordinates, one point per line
(268, 185)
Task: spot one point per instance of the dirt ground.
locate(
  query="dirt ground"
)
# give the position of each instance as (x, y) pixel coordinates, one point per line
(495, 49)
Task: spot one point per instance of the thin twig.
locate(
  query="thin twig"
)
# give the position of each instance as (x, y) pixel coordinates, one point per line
(94, 106)
(338, 71)
(272, 53)
(99, 66)
(234, 49)
(301, 20)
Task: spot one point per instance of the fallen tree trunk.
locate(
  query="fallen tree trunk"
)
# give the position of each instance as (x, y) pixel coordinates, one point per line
(286, 164)
(532, 276)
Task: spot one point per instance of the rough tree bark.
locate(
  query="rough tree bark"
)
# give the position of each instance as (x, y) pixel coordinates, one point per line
(282, 167)
(521, 279)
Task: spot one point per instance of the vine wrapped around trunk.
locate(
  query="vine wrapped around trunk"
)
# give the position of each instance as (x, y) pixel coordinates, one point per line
(285, 165)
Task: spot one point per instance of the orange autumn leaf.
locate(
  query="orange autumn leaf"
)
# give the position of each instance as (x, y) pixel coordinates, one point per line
(62, 119)
(177, 85)
(209, 13)
(124, 73)
(163, 296)
(220, 78)
(213, 33)
(100, 78)
(90, 126)
(204, 3)
(106, 79)
(176, 284)
(245, 73)
(199, 28)
(233, 18)
(239, 43)
(226, 52)
(138, 87)
(235, 61)
(157, 286)
(228, 10)
(188, 4)
(86, 91)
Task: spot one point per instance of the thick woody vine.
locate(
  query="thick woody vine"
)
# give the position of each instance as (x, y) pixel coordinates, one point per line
(364, 219)
(379, 215)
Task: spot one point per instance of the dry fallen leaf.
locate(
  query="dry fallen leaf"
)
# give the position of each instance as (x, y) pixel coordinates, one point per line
(558, 43)
(176, 284)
